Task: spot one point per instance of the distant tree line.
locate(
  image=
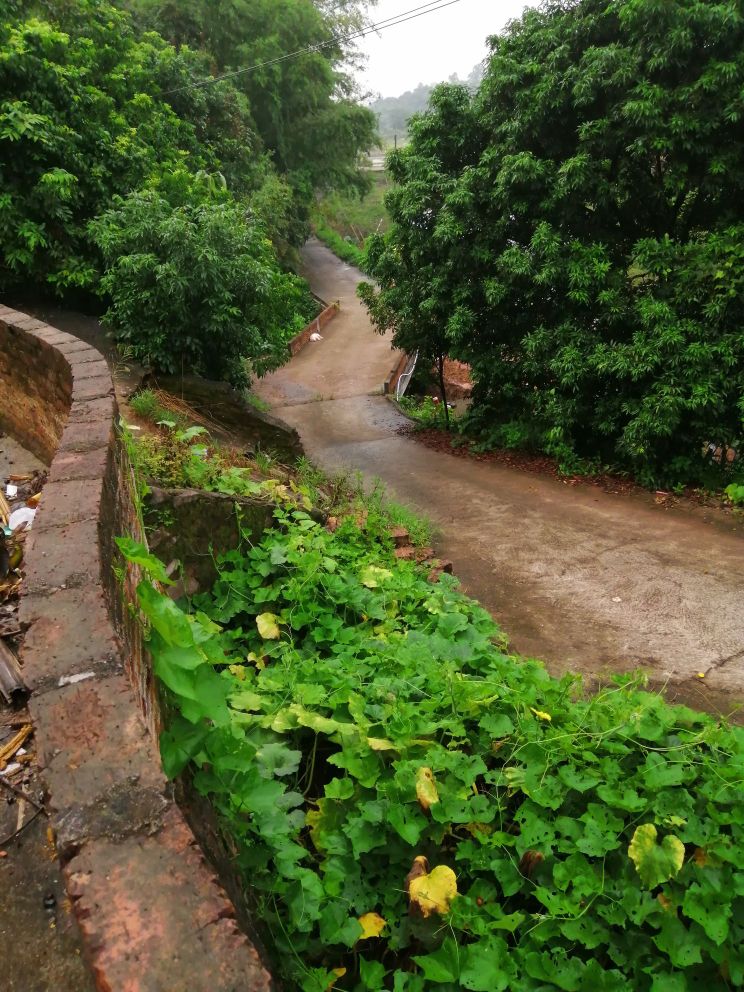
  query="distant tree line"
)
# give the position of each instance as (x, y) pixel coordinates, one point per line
(574, 230)
(394, 112)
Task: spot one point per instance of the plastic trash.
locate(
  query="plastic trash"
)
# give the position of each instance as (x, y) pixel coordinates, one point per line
(11, 491)
(316, 337)
(22, 517)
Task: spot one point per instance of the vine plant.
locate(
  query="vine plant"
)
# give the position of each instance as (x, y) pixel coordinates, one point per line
(416, 809)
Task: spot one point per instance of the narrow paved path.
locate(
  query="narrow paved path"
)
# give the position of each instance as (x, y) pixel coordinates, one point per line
(586, 580)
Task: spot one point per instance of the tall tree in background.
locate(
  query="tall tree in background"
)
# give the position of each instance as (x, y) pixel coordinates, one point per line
(305, 107)
(169, 210)
(587, 228)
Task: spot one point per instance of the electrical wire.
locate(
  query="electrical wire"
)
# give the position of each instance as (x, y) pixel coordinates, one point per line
(383, 25)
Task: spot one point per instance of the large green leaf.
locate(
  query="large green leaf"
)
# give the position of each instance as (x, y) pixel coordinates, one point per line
(655, 863)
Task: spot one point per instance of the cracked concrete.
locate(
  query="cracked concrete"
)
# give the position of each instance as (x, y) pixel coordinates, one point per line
(589, 581)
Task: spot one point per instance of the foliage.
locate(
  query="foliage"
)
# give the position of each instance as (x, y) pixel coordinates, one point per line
(357, 216)
(82, 118)
(416, 810)
(735, 493)
(347, 251)
(146, 404)
(574, 231)
(426, 411)
(304, 107)
(197, 287)
(395, 112)
(198, 190)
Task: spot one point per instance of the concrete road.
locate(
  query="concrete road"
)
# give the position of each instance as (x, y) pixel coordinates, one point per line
(588, 581)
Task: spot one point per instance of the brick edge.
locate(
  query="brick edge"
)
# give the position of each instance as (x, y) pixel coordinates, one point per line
(324, 317)
(151, 910)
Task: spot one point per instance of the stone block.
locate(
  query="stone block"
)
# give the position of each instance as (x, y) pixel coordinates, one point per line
(154, 919)
(65, 503)
(69, 633)
(91, 740)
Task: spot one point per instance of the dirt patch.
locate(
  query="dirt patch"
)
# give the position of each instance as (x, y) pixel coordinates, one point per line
(523, 461)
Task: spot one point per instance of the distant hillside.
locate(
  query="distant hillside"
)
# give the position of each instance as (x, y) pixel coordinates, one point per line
(394, 112)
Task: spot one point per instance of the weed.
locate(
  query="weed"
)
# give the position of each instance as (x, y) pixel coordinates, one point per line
(427, 411)
(355, 726)
(257, 402)
(735, 493)
(145, 404)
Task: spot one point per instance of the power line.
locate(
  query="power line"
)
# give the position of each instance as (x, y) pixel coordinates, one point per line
(388, 22)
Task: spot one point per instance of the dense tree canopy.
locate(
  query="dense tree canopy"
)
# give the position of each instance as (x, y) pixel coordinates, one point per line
(577, 227)
(100, 116)
(304, 107)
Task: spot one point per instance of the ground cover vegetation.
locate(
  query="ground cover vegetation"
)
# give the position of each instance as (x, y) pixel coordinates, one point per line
(574, 231)
(411, 807)
(344, 221)
(174, 451)
(126, 171)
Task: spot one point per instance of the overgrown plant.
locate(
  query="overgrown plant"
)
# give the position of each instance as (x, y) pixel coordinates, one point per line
(414, 809)
(216, 302)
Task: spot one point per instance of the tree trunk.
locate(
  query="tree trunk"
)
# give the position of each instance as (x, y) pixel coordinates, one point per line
(443, 390)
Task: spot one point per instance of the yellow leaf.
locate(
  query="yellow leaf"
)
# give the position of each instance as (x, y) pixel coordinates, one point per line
(541, 714)
(339, 973)
(268, 626)
(372, 576)
(380, 744)
(372, 925)
(238, 671)
(655, 863)
(426, 788)
(433, 892)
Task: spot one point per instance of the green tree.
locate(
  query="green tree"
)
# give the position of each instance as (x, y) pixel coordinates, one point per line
(81, 119)
(196, 287)
(415, 272)
(304, 107)
(585, 226)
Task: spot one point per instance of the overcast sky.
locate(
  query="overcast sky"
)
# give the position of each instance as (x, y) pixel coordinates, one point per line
(431, 47)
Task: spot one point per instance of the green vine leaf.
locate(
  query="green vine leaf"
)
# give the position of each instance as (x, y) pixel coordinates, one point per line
(655, 863)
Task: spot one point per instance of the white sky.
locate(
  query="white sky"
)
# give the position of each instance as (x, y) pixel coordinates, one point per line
(432, 47)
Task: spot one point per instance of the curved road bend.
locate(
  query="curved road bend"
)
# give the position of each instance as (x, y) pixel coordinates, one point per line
(587, 581)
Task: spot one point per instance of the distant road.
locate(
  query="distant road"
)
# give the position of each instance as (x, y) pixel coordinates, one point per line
(588, 581)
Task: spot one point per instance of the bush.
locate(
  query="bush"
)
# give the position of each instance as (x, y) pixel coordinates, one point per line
(197, 288)
(362, 733)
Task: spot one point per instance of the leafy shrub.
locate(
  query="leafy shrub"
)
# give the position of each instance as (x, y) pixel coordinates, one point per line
(348, 719)
(82, 118)
(426, 411)
(196, 288)
(735, 493)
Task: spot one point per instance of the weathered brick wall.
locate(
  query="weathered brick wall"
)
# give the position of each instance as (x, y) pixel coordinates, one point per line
(300, 340)
(35, 389)
(152, 915)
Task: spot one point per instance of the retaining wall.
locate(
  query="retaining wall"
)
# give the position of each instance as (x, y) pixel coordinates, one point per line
(300, 340)
(152, 915)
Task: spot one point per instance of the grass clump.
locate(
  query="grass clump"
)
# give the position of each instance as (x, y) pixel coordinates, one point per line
(345, 250)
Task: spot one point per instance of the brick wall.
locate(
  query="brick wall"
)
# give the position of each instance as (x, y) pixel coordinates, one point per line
(152, 915)
(315, 326)
(35, 389)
